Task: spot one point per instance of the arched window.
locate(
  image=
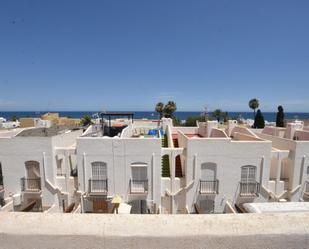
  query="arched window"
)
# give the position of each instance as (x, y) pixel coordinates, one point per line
(99, 170)
(248, 173)
(208, 171)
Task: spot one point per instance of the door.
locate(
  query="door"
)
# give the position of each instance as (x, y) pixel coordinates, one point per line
(100, 206)
(138, 207)
(207, 206)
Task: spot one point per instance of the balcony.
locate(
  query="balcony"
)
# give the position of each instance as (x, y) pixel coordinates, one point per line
(30, 185)
(249, 189)
(138, 186)
(98, 186)
(209, 187)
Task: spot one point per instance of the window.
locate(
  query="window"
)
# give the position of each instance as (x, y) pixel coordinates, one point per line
(248, 174)
(307, 171)
(99, 171)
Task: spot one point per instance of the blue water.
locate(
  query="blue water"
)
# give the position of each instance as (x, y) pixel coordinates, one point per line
(269, 116)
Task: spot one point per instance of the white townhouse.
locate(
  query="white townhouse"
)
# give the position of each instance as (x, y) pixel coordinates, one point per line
(214, 168)
(289, 169)
(127, 165)
(35, 167)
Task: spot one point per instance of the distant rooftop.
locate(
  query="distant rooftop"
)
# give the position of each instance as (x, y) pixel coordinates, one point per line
(45, 132)
(118, 113)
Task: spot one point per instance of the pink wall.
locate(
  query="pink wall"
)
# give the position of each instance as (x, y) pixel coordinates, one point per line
(302, 135)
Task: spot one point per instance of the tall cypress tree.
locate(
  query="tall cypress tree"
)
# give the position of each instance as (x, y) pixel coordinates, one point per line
(259, 121)
(280, 117)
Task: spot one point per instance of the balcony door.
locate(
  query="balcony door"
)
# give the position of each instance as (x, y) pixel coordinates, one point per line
(33, 169)
(139, 177)
(248, 174)
(32, 182)
(99, 176)
(208, 179)
(248, 180)
(208, 171)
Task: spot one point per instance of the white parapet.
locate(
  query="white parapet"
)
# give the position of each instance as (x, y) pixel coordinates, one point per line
(39, 230)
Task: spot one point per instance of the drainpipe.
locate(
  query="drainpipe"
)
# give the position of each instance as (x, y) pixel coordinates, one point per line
(67, 176)
(153, 177)
(302, 169)
(261, 170)
(84, 163)
(278, 172)
(173, 181)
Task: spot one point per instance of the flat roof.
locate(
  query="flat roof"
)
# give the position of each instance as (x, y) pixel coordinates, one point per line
(45, 132)
(276, 207)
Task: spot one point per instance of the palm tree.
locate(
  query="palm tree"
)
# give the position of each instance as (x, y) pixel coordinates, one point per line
(254, 104)
(217, 114)
(169, 109)
(86, 120)
(159, 109)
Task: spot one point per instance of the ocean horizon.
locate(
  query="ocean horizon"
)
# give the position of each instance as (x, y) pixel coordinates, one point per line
(181, 115)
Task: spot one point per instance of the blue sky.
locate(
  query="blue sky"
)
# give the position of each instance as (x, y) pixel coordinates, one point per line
(128, 55)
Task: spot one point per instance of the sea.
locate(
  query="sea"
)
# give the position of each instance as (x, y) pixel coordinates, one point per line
(269, 116)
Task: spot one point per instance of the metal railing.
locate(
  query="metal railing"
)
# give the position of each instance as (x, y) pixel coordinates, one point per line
(98, 185)
(249, 188)
(209, 187)
(138, 186)
(60, 172)
(32, 185)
